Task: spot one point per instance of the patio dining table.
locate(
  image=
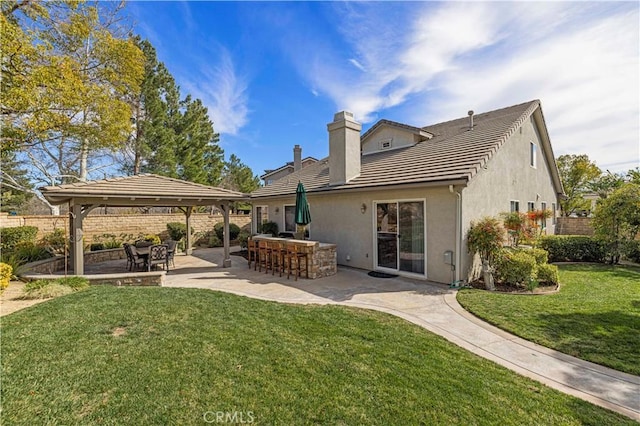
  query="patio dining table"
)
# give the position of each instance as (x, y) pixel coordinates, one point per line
(143, 253)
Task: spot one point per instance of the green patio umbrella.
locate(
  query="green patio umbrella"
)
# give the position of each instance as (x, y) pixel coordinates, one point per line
(303, 216)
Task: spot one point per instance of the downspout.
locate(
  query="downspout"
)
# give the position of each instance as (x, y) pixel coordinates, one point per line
(458, 233)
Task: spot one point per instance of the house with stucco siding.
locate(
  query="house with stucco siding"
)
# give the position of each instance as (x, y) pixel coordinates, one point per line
(400, 199)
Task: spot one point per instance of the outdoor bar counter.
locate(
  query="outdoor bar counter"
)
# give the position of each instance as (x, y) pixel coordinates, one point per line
(322, 256)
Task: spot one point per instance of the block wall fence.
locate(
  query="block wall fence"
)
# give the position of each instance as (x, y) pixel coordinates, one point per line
(574, 226)
(117, 224)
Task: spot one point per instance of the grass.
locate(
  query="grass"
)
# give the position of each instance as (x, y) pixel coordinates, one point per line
(595, 316)
(123, 355)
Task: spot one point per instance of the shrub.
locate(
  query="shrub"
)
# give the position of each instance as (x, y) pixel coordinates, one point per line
(214, 241)
(55, 241)
(76, 283)
(50, 289)
(177, 230)
(574, 248)
(152, 238)
(96, 246)
(112, 244)
(541, 255)
(5, 275)
(243, 238)
(11, 237)
(548, 274)
(485, 237)
(31, 252)
(43, 289)
(270, 228)
(234, 230)
(516, 267)
(516, 225)
(631, 251)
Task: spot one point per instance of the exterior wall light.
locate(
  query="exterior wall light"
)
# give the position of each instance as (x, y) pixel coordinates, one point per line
(363, 208)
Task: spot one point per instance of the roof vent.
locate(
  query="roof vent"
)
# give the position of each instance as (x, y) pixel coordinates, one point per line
(386, 144)
(470, 119)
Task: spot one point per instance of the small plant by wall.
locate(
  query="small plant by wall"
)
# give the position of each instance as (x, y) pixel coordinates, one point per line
(5, 275)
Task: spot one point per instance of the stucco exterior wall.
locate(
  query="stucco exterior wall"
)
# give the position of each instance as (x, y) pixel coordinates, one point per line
(337, 219)
(509, 176)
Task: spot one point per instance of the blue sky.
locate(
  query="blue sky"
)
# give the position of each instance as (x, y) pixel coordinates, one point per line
(273, 73)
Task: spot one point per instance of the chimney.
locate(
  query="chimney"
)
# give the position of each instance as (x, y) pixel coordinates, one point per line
(344, 148)
(297, 158)
(470, 119)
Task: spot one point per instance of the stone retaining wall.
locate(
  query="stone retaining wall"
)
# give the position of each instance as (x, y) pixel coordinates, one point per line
(96, 225)
(49, 266)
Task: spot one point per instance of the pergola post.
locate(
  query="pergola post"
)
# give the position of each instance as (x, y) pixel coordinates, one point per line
(188, 250)
(226, 263)
(76, 236)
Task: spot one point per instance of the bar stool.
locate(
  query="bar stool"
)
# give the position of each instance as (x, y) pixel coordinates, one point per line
(252, 252)
(295, 253)
(278, 255)
(264, 256)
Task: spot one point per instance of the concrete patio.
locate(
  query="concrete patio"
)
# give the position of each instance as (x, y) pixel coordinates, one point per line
(429, 305)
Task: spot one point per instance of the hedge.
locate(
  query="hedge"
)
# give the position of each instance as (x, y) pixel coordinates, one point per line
(574, 248)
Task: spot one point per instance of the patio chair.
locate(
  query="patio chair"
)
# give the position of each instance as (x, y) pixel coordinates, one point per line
(157, 256)
(171, 251)
(136, 258)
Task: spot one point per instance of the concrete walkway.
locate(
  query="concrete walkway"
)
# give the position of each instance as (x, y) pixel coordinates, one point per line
(429, 305)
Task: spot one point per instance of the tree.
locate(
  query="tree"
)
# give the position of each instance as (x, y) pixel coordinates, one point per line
(172, 137)
(66, 69)
(577, 173)
(486, 237)
(238, 176)
(617, 218)
(12, 197)
(606, 183)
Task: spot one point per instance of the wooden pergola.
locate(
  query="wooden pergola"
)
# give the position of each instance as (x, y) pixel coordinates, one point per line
(145, 190)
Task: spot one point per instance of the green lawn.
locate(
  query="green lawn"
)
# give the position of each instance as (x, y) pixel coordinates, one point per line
(595, 316)
(116, 355)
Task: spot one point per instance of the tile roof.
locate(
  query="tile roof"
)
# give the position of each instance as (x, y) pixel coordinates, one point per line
(455, 153)
(288, 165)
(143, 186)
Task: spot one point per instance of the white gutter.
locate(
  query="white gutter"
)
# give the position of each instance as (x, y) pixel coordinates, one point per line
(458, 260)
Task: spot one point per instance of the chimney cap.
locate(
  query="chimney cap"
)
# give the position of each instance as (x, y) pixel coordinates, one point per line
(343, 115)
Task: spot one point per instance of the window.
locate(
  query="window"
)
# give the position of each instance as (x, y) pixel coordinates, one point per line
(553, 213)
(531, 206)
(515, 206)
(533, 150)
(290, 218)
(543, 207)
(262, 216)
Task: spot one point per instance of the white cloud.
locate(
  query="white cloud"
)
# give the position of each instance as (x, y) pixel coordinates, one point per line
(442, 59)
(224, 92)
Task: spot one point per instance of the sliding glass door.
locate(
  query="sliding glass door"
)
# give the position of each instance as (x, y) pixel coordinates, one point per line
(400, 230)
